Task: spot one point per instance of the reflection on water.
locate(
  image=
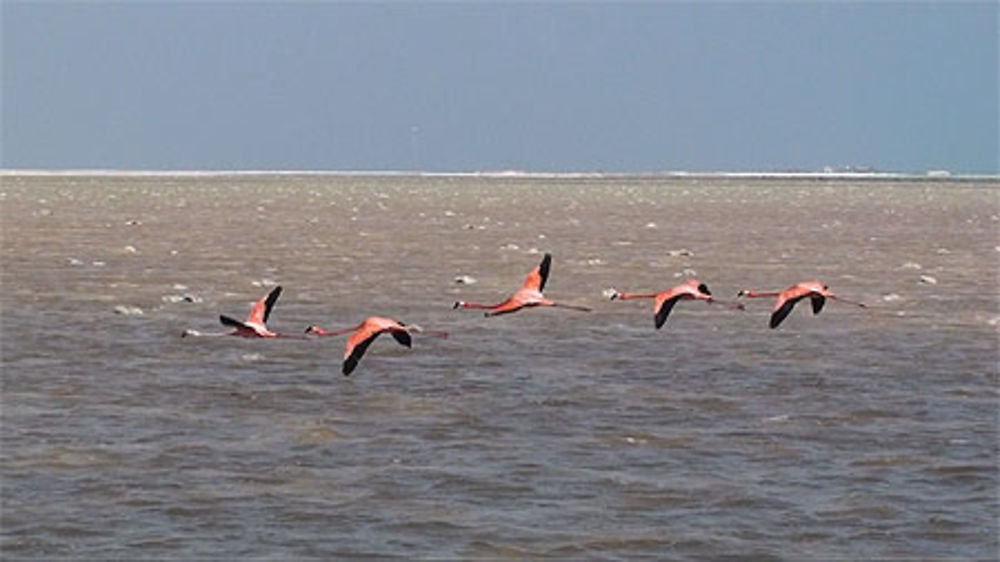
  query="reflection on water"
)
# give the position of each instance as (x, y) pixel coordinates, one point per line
(852, 434)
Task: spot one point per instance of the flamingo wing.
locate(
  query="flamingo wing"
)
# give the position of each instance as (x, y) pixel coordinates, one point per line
(232, 322)
(262, 309)
(782, 310)
(403, 337)
(817, 303)
(663, 310)
(538, 276)
(357, 344)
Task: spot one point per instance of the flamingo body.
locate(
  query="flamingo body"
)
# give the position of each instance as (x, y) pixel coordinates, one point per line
(366, 332)
(664, 301)
(527, 296)
(816, 291)
(255, 326)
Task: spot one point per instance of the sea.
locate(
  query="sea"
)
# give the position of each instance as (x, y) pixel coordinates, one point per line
(853, 434)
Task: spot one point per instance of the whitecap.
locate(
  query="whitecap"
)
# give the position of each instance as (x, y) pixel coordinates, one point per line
(128, 310)
(683, 252)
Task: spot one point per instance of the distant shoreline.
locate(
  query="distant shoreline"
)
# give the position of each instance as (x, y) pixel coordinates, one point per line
(516, 174)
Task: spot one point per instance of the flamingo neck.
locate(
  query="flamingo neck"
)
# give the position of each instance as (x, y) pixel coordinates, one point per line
(629, 296)
(755, 294)
(477, 306)
(316, 330)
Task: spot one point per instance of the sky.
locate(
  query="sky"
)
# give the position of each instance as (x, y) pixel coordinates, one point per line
(533, 86)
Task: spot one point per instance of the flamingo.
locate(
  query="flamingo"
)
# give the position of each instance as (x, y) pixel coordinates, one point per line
(664, 302)
(529, 295)
(365, 333)
(255, 326)
(815, 290)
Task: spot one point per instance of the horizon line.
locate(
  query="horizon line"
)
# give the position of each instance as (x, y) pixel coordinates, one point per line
(827, 172)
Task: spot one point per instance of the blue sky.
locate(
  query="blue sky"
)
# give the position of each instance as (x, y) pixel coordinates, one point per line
(898, 86)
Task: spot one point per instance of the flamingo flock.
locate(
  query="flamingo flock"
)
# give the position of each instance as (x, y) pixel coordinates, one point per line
(529, 295)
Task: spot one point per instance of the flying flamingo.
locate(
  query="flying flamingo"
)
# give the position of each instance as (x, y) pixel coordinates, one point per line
(529, 295)
(366, 332)
(664, 302)
(255, 325)
(815, 290)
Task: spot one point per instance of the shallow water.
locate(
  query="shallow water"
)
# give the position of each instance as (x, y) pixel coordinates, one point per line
(547, 433)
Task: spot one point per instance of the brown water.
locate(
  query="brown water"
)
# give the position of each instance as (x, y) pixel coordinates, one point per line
(548, 433)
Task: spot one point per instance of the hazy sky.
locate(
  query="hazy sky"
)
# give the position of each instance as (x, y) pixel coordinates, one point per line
(897, 86)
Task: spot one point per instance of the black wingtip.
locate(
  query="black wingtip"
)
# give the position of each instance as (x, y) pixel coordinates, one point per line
(272, 298)
(403, 338)
(229, 321)
(543, 270)
(664, 312)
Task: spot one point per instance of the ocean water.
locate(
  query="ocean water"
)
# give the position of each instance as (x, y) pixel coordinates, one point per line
(854, 434)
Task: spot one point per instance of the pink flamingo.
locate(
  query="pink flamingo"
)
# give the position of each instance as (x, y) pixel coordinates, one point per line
(255, 326)
(529, 295)
(815, 290)
(365, 333)
(664, 302)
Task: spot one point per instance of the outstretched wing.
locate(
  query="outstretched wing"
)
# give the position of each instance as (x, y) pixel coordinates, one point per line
(262, 309)
(357, 344)
(664, 310)
(538, 276)
(817, 302)
(231, 322)
(403, 337)
(782, 311)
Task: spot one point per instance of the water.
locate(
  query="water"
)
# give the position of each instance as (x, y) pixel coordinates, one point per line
(547, 433)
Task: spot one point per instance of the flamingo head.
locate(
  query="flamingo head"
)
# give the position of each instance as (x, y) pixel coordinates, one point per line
(703, 288)
(314, 329)
(458, 304)
(742, 292)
